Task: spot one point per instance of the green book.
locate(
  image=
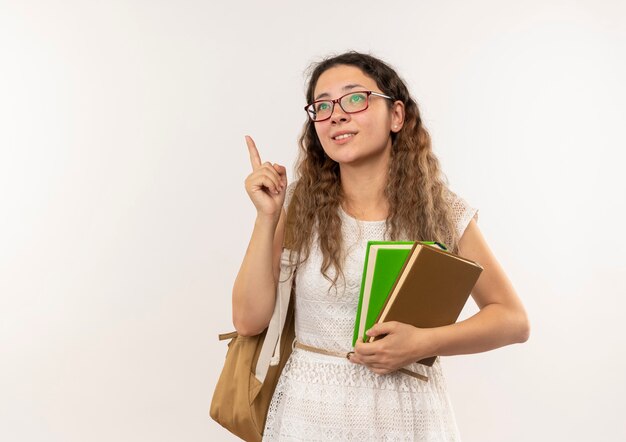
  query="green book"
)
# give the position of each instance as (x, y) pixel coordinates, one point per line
(383, 262)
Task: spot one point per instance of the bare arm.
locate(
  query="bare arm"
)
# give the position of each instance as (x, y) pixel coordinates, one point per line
(502, 318)
(254, 290)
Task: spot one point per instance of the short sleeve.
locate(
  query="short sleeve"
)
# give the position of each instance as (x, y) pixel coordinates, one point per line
(462, 213)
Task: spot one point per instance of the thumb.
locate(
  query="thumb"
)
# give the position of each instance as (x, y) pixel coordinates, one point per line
(383, 328)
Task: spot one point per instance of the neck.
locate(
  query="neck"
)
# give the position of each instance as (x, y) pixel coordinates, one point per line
(364, 190)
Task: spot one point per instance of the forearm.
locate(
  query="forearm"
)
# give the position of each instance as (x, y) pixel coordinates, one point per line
(255, 286)
(492, 327)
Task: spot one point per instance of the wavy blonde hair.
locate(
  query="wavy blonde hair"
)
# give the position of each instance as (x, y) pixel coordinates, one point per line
(417, 191)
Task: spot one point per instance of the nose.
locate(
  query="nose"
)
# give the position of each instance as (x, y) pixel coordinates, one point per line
(339, 114)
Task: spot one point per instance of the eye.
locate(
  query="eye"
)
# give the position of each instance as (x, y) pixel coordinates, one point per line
(357, 98)
(322, 106)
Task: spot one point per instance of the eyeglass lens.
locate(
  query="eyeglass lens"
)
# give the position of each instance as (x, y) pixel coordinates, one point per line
(350, 103)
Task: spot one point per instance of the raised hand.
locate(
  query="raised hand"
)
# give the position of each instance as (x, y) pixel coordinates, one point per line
(266, 184)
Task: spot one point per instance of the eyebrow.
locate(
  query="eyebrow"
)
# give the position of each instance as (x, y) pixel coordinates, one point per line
(345, 88)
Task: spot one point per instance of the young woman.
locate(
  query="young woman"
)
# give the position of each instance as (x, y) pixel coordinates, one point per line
(366, 172)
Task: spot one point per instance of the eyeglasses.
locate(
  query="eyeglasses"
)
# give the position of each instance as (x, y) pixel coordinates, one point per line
(351, 103)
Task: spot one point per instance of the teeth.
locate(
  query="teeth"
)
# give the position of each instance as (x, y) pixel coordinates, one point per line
(341, 137)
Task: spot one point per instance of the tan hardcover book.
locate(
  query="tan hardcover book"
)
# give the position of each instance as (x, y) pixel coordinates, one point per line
(431, 290)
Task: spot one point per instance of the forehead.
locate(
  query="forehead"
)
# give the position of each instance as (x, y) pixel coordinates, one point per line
(334, 79)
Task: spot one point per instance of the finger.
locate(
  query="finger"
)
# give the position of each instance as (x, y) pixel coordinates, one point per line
(255, 158)
(353, 358)
(263, 177)
(282, 172)
(373, 358)
(365, 349)
(366, 361)
(269, 169)
(267, 176)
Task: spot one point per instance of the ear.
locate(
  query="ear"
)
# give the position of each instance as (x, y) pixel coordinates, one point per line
(397, 116)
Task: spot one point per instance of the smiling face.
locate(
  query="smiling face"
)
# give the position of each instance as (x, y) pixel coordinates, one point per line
(358, 137)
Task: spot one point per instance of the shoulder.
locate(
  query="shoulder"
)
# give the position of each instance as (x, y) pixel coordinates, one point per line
(462, 211)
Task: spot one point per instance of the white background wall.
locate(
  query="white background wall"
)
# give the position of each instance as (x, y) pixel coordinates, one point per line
(123, 215)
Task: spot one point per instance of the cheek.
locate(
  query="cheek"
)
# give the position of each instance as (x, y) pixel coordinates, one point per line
(376, 123)
(322, 132)
(379, 133)
(321, 129)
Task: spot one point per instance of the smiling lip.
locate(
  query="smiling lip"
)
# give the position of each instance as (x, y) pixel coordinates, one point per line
(343, 137)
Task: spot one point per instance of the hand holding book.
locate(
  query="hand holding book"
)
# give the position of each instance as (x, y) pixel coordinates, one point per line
(401, 345)
(428, 289)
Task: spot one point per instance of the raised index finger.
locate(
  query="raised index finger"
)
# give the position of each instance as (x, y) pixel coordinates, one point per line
(255, 158)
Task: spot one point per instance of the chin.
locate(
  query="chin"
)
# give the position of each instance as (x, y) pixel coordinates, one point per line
(341, 157)
(352, 157)
(349, 159)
